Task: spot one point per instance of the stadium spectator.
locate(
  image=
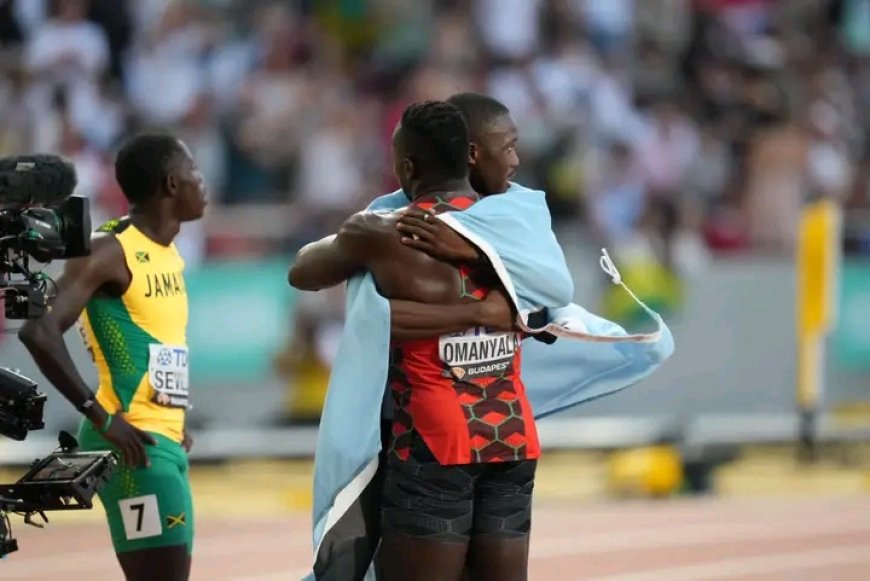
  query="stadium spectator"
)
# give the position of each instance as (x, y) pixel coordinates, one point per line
(679, 127)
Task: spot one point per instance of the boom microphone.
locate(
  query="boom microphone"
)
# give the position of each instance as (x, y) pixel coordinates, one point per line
(36, 180)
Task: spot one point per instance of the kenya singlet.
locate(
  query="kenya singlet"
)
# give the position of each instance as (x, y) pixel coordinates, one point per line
(138, 340)
(462, 393)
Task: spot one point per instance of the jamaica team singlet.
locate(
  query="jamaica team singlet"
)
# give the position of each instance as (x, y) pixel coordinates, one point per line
(462, 393)
(138, 341)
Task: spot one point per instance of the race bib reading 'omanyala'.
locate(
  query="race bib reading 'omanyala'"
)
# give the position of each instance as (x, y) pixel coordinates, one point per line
(477, 353)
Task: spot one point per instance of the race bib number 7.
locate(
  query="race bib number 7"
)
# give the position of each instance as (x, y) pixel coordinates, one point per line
(168, 374)
(141, 517)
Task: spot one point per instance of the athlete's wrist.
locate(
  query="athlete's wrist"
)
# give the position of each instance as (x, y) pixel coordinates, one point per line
(106, 425)
(485, 314)
(89, 402)
(496, 312)
(98, 416)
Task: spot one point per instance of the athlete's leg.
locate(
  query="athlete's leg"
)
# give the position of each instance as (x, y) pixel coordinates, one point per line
(171, 562)
(499, 546)
(495, 557)
(427, 517)
(190, 525)
(149, 513)
(407, 558)
(164, 563)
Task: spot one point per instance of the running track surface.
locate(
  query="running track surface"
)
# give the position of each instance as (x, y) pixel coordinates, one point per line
(757, 539)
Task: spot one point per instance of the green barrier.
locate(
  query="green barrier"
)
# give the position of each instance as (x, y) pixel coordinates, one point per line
(239, 318)
(852, 337)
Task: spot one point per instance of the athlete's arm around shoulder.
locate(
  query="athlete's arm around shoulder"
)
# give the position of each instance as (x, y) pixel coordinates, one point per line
(43, 337)
(334, 259)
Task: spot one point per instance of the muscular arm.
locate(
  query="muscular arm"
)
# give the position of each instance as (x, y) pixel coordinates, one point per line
(412, 320)
(333, 259)
(336, 258)
(43, 338)
(437, 239)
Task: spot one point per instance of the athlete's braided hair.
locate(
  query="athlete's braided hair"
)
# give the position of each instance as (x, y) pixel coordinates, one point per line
(480, 111)
(435, 135)
(143, 162)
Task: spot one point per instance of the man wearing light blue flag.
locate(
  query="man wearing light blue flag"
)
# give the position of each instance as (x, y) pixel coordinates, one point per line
(513, 233)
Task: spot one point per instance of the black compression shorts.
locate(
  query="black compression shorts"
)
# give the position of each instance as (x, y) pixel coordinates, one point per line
(422, 498)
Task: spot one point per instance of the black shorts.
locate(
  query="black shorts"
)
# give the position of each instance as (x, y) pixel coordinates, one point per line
(422, 498)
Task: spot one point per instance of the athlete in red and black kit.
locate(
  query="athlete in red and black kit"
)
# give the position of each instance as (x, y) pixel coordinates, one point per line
(493, 161)
(461, 463)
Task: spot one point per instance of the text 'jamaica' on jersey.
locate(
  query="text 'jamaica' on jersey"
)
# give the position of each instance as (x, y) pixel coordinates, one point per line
(138, 340)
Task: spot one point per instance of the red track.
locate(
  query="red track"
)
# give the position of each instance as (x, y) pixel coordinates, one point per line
(762, 540)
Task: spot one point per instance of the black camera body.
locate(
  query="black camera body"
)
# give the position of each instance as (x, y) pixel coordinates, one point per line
(20, 405)
(40, 221)
(64, 480)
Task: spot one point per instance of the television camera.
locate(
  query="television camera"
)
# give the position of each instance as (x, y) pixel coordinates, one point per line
(40, 221)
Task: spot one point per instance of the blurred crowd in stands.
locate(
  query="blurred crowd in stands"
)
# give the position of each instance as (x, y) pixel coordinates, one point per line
(699, 123)
(669, 129)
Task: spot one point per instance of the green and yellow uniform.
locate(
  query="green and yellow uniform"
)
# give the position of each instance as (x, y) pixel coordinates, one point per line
(139, 346)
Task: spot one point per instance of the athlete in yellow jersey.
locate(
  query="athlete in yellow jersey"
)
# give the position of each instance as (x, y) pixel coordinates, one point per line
(132, 302)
